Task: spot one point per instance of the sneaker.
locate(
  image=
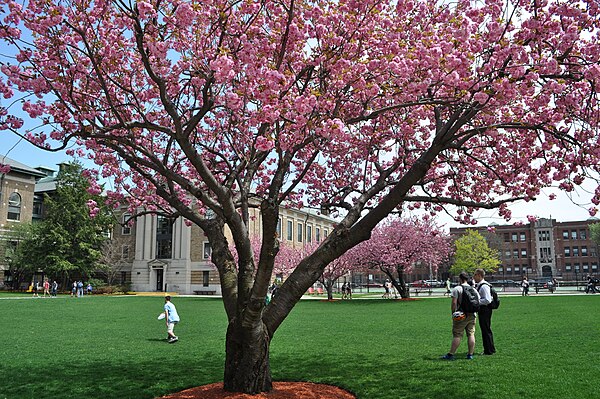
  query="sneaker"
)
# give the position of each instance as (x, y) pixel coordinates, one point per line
(469, 357)
(174, 339)
(447, 356)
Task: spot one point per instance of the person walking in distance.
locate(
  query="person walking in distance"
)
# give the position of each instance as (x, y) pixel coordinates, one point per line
(172, 318)
(485, 312)
(525, 286)
(462, 321)
(448, 285)
(46, 288)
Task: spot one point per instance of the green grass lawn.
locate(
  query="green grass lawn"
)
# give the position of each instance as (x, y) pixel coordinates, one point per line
(113, 347)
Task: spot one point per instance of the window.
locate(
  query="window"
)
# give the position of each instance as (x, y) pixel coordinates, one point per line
(513, 237)
(206, 250)
(325, 233)
(545, 254)
(279, 227)
(584, 251)
(506, 254)
(205, 278)
(123, 277)
(509, 269)
(500, 269)
(594, 266)
(568, 267)
(522, 237)
(575, 251)
(586, 267)
(300, 232)
(523, 253)
(126, 229)
(517, 269)
(318, 234)
(576, 266)
(583, 234)
(573, 234)
(14, 207)
(308, 233)
(164, 237)
(515, 254)
(565, 234)
(125, 252)
(290, 230)
(506, 237)
(593, 252)
(38, 206)
(567, 251)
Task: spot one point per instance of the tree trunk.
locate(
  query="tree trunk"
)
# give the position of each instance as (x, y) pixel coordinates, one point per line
(247, 366)
(402, 287)
(329, 287)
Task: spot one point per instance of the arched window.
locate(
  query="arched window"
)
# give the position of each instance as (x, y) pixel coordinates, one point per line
(14, 207)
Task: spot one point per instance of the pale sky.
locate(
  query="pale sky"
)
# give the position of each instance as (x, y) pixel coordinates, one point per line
(562, 208)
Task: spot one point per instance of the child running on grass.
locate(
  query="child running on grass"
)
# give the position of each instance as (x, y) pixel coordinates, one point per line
(171, 318)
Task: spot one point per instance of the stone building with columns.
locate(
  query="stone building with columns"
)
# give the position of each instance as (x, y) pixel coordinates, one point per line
(172, 256)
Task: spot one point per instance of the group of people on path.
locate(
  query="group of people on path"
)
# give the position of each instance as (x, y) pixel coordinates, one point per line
(346, 291)
(590, 287)
(50, 289)
(465, 321)
(77, 289)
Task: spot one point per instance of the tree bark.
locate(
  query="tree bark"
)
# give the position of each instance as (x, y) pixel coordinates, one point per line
(402, 287)
(329, 287)
(247, 367)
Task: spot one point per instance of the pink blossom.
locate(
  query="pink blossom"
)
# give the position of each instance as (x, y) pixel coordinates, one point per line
(263, 144)
(146, 10)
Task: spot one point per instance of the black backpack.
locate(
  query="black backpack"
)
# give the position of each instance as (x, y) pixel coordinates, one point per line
(469, 301)
(495, 304)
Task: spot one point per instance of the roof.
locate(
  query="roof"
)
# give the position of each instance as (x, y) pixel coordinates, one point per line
(45, 185)
(19, 167)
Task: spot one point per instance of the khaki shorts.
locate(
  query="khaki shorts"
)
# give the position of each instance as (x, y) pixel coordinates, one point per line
(460, 326)
(170, 326)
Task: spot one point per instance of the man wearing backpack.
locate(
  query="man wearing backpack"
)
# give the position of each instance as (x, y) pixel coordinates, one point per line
(465, 300)
(485, 312)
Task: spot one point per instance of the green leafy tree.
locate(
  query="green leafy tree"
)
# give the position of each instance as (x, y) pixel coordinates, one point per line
(472, 252)
(72, 238)
(22, 250)
(595, 234)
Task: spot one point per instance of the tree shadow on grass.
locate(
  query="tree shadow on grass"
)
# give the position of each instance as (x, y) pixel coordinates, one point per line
(110, 379)
(413, 377)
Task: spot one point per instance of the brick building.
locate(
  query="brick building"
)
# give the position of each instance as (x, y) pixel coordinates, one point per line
(17, 191)
(542, 248)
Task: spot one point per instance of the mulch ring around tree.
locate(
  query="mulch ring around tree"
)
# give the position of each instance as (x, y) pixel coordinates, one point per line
(281, 390)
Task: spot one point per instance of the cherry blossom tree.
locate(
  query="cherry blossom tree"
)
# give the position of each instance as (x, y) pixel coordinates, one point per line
(397, 245)
(361, 107)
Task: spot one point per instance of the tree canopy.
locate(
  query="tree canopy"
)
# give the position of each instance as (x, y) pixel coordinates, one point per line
(362, 107)
(68, 240)
(473, 252)
(398, 245)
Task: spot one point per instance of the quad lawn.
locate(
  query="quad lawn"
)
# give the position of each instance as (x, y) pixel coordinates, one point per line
(115, 348)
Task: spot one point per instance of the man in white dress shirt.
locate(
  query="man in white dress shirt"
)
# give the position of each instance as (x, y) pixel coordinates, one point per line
(485, 312)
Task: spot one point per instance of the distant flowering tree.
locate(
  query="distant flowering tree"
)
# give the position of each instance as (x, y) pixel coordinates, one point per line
(397, 245)
(361, 107)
